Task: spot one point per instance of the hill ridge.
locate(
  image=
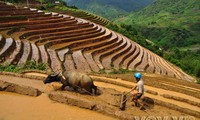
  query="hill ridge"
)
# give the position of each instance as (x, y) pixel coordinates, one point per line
(109, 9)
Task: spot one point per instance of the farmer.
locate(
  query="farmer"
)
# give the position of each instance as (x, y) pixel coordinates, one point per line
(139, 89)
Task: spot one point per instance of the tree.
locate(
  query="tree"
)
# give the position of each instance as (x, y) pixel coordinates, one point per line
(197, 70)
(42, 1)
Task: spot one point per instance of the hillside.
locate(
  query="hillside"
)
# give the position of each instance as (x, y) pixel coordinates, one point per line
(73, 44)
(170, 16)
(109, 9)
(173, 25)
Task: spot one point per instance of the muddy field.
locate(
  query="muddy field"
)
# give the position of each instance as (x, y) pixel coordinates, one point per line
(106, 104)
(20, 107)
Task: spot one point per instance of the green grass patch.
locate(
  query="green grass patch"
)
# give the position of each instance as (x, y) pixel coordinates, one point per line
(30, 65)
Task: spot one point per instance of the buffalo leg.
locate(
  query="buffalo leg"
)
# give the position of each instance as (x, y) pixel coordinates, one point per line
(95, 89)
(63, 87)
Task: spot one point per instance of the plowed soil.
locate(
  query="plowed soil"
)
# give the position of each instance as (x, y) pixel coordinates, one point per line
(24, 107)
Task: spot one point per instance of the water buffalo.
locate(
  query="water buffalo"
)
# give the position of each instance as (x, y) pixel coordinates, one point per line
(74, 79)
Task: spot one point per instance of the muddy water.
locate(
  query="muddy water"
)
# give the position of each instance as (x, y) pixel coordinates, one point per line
(20, 107)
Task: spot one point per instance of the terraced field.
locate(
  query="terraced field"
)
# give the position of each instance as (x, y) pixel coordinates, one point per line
(85, 15)
(166, 102)
(69, 43)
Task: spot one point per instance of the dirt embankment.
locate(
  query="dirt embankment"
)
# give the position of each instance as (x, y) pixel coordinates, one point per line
(162, 82)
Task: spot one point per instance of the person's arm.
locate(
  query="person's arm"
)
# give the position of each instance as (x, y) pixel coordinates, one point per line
(134, 88)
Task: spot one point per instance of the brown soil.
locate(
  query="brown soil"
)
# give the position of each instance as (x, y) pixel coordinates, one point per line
(20, 107)
(36, 74)
(161, 82)
(160, 91)
(185, 105)
(156, 110)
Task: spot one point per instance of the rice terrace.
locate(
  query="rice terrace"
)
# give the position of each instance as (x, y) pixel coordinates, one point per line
(37, 43)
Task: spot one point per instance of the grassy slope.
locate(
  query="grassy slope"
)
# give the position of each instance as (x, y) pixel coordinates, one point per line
(161, 11)
(182, 15)
(109, 9)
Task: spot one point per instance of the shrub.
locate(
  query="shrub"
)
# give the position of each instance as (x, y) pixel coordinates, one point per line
(73, 7)
(198, 81)
(11, 68)
(102, 71)
(14, 1)
(41, 8)
(197, 71)
(30, 65)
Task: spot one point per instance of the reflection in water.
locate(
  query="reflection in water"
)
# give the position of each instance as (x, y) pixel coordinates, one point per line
(20, 107)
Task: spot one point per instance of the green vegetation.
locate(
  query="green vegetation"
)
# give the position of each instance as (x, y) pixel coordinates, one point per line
(60, 7)
(30, 65)
(187, 60)
(109, 9)
(74, 11)
(106, 11)
(198, 81)
(13, 1)
(172, 25)
(41, 1)
(168, 23)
